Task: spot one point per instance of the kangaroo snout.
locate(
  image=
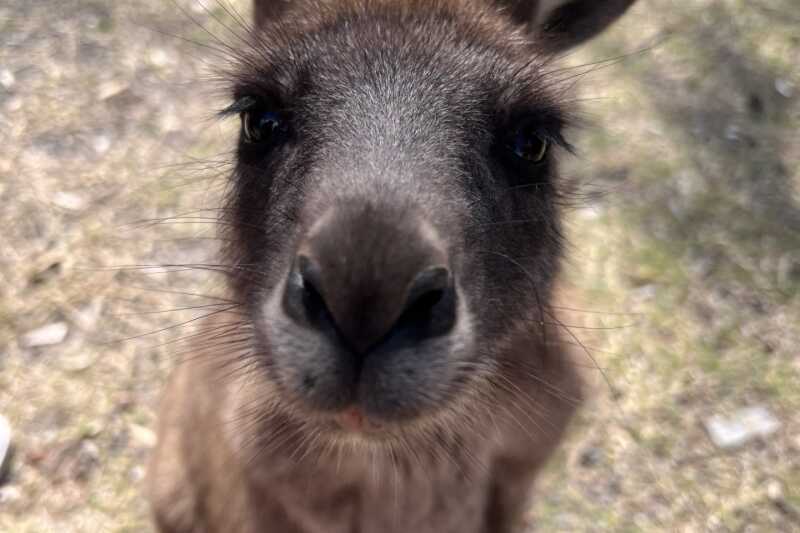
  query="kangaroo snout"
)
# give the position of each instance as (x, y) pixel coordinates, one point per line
(364, 276)
(374, 286)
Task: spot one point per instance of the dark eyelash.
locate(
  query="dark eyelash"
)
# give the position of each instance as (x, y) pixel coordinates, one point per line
(555, 138)
(242, 104)
(550, 130)
(550, 121)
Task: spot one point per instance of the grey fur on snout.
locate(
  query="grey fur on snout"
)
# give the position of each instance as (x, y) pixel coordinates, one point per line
(393, 381)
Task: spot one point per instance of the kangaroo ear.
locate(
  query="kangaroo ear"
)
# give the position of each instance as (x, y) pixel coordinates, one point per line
(267, 10)
(566, 23)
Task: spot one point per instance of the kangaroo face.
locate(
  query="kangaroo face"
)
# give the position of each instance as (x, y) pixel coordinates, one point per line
(395, 208)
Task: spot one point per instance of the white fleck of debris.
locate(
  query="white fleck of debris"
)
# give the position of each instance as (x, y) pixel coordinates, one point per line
(5, 442)
(48, 335)
(77, 361)
(7, 78)
(784, 87)
(592, 212)
(142, 436)
(136, 473)
(101, 143)
(10, 494)
(159, 57)
(774, 490)
(169, 121)
(87, 315)
(741, 426)
(68, 200)
(110, 88)
(90, 450)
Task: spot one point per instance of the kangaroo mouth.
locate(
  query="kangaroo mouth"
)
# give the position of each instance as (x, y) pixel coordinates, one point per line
(353, 420)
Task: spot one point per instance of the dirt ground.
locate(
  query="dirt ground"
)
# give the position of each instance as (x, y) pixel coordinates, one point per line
(684, 258)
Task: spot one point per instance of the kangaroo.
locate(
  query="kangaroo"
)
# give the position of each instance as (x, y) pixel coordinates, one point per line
(392, 360)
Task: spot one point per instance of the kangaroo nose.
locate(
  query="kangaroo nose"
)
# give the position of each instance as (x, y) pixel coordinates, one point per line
(364, 282)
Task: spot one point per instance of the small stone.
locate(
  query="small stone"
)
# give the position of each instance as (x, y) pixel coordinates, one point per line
(142, 436)
(784, 87)
(742, 426)
(5, 445)
(68, 200)
(77, 361)
(159, 57)
(48, 335)
(136, 473)
(101, 143)
(774, 490)
(86, 316)
(10, 494)
(108, 89)
(7, 78)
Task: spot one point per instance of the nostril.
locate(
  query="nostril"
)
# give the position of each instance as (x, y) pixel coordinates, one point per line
(303, 300)
(312, 302)
(430, 305)
(424, 304)
(428, 285)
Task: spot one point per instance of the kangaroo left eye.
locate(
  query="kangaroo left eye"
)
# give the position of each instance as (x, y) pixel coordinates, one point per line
(527, 144)
(263, 126)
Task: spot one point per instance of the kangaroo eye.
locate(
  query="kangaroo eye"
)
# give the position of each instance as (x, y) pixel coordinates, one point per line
(263, 126)
(526, 143)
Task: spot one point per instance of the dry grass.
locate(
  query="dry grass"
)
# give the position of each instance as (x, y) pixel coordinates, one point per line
(691, 256)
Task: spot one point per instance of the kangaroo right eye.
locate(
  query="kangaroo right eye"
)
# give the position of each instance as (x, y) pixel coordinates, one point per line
(526, 143)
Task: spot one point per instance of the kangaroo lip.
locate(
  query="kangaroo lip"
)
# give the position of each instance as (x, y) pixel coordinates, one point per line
(351, 418)
(354, 419)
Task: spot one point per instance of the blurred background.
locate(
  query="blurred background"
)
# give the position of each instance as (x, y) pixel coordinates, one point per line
(684, 266)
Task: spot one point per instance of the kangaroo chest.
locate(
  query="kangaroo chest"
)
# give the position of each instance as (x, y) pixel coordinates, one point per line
(446, 496)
